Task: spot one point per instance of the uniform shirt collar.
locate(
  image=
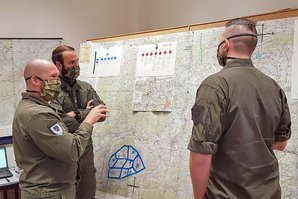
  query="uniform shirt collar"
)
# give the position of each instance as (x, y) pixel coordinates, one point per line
(65, 84)
(239, 63)
(35, 98)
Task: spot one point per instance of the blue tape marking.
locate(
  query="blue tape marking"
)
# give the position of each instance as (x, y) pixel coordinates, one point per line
(125, 162)
(94, 63)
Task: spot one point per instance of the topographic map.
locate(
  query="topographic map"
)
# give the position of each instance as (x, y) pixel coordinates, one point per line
(153, 94)
(273, 56)
(14, 53)
(161, 138)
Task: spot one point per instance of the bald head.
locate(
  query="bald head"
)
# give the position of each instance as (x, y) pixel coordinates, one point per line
(38, 67)
(37, 70)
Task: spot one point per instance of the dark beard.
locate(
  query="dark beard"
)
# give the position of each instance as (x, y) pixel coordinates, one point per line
(64, 72)
(66, 79)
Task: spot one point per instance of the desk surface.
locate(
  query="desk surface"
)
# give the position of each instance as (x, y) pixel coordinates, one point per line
(12, 180)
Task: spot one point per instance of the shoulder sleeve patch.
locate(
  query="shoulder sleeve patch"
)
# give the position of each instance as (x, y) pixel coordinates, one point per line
(197, 114)
(57, 129)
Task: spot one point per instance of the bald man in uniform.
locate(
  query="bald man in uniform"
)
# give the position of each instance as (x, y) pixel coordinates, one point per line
(44, 149)
(239, 117)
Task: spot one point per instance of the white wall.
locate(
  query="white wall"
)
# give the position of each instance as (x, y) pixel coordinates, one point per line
(10, 155)
(156, 14)
(78, 20)
(73, 20)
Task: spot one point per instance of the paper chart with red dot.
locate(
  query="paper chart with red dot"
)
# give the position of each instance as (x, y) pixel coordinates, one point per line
(156, 59)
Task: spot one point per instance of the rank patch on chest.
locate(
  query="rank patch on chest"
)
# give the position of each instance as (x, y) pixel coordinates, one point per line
(56, 129)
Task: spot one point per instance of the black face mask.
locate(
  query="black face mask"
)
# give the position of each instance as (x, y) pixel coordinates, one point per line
(223, 60)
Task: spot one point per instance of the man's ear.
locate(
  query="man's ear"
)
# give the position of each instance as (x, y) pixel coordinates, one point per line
(227, 45)
(35, 81)
(59, 66)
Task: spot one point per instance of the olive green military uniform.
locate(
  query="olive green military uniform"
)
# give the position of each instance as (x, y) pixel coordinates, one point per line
(238, 114)
(75, 98)
(44, 149)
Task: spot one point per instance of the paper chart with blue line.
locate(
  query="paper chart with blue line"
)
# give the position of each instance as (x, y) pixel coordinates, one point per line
(125, 162)
(107, 61)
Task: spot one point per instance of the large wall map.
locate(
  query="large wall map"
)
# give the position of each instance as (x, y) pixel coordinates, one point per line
(162, 136)
(14, 53)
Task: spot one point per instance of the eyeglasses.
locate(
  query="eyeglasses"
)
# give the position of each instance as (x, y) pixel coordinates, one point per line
(34, 76)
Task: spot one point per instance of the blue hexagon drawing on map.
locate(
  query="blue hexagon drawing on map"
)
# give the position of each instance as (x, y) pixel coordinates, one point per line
(125, 162)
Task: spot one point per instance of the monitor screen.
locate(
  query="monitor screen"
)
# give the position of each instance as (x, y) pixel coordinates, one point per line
(3, 159)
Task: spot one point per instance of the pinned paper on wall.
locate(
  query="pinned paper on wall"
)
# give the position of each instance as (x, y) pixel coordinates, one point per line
(107, 61)
(294, 87)
(156, 59)
(153, 94)
(85, 50)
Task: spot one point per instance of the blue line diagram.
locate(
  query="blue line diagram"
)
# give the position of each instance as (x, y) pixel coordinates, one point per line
(94, 63)
(125, 162)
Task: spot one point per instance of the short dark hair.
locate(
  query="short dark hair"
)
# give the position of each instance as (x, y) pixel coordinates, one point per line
(248, 23)
(245, 43)
(58, 52)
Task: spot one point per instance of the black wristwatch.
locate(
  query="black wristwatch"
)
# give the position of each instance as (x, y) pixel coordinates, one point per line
(78, 115)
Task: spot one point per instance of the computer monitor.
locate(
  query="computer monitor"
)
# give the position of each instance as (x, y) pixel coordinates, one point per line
(3, 158)
(4, 171)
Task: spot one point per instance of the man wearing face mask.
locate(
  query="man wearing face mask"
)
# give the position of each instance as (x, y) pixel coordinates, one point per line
(77, 98)
(239, 117)
(44, 149)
